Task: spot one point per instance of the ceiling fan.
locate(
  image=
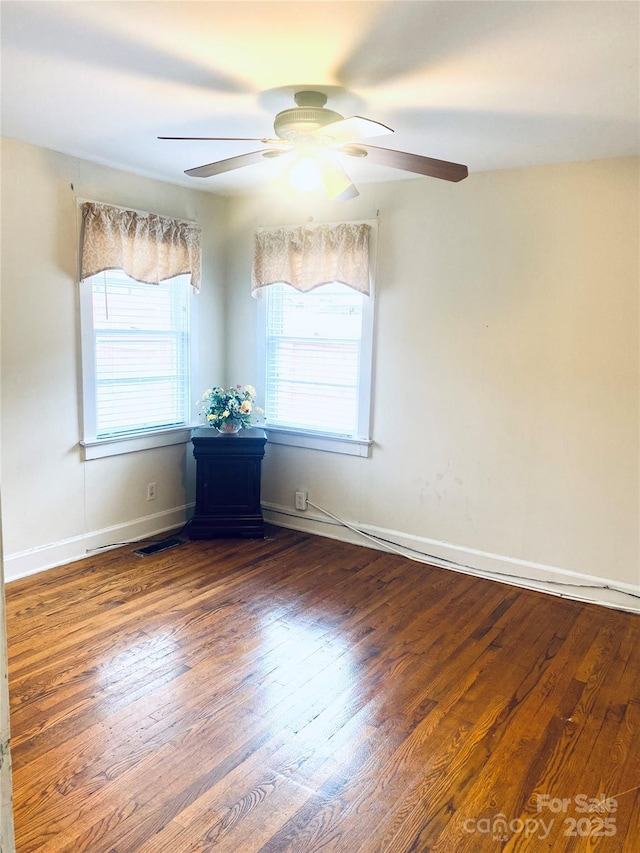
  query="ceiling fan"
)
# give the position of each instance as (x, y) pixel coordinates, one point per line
(315, 135)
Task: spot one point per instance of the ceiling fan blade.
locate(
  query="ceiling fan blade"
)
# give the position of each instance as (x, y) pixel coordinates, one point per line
(223, 139)
(232, 163)
(413, 163)
(351, 129)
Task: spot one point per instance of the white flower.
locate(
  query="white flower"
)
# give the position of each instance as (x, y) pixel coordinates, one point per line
(250, 390)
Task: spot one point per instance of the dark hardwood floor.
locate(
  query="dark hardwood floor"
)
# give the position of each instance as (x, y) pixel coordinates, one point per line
(299, 694)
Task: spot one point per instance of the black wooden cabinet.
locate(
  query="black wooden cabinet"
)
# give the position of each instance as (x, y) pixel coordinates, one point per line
(228, 471)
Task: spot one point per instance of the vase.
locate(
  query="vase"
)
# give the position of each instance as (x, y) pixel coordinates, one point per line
(230, 426)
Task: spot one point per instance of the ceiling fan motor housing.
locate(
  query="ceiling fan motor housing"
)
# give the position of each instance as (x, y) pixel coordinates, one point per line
(309, 115)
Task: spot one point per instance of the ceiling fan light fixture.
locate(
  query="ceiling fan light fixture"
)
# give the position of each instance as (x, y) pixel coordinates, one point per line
(317, 170)
(305, 174)
(337, 184)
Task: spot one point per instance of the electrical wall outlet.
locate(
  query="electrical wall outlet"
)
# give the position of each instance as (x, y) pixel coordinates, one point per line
(151, 492)
(301, 500)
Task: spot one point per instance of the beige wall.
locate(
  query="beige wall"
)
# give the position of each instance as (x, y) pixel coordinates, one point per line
(506, 367)
(50, 495)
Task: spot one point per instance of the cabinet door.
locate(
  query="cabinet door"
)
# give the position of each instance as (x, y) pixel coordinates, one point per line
(228, 486)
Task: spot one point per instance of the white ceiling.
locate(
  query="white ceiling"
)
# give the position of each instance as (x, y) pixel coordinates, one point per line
(493, 85)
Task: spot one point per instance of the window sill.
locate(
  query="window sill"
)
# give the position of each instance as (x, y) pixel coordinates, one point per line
(319, 441)
(100, 447)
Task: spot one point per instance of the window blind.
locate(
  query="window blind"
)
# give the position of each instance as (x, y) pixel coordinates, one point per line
(313, 354)
(141, 350)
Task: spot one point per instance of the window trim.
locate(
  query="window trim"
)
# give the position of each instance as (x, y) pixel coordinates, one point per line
(134, 441)
(100, 447)
(356, 445)
(319, 441)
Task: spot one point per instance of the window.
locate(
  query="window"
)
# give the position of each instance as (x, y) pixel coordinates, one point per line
(314, 284)
(316, 361)
(136, 358)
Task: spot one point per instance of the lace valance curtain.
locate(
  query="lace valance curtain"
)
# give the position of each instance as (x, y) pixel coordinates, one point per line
(147, 247)
(306, 257)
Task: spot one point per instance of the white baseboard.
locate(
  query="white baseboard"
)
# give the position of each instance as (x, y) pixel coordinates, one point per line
(521, 573)
(33, 560)
(528, 575)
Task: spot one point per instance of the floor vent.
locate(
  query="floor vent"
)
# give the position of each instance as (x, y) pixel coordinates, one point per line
(158, 546)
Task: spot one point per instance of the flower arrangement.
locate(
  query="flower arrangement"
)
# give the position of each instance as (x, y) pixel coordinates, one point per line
(229, 410)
